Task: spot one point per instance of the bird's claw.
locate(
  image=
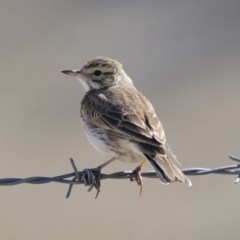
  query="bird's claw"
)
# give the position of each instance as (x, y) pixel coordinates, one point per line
(138, 178)
(97, 183)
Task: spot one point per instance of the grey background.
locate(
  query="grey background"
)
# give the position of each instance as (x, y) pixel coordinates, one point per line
(183, 55)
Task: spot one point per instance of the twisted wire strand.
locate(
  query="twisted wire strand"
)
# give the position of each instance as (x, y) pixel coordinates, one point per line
(87, 176)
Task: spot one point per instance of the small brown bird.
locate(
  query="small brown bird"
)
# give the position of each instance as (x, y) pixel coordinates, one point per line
(121, 123)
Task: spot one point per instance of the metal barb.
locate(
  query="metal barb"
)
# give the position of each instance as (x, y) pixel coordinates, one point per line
(74, 179)
(70, 188)
(75, 169)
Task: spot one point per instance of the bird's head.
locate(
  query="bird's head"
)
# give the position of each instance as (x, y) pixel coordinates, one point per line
(99, 73)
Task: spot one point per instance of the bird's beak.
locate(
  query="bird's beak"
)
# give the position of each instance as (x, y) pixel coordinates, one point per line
(74, 73)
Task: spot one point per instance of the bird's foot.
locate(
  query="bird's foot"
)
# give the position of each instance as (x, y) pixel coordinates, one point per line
(138, 178)
(97, 173)
(97, 184)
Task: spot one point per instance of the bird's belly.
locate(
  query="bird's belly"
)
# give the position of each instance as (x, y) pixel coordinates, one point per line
(110, 146)
(130, 152)
(99, 140)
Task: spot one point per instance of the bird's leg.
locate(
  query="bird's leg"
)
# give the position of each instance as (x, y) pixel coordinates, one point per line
(138, 176)
(98, 173)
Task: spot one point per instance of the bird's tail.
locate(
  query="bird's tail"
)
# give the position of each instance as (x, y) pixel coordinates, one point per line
(166, 170)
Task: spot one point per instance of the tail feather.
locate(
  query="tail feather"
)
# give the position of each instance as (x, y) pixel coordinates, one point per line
(166, 170)
(160, 173)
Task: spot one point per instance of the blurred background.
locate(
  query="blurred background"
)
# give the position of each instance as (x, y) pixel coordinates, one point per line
(183, 55)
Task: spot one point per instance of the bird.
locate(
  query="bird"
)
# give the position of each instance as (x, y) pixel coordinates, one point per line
(121, 123)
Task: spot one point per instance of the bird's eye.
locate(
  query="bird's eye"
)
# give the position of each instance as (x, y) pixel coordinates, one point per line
(97, 73)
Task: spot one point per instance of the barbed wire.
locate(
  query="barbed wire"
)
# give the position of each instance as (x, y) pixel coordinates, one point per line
(87, 176)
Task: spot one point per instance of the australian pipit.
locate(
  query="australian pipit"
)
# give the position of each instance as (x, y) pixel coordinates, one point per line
(121, 123)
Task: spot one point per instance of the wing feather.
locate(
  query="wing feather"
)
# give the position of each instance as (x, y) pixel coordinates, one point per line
(129, 115)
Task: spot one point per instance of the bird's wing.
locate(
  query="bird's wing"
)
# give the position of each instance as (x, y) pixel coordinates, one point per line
(125, 112)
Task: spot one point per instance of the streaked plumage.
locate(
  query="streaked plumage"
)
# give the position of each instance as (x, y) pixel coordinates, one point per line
(120, 122)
